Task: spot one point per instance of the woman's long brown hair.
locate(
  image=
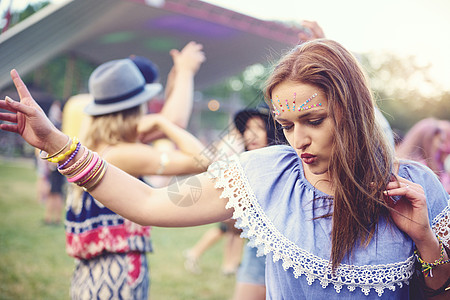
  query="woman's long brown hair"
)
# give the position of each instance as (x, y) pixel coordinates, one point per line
(362, 160)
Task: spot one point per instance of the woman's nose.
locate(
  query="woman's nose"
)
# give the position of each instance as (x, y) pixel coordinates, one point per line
(301, 138)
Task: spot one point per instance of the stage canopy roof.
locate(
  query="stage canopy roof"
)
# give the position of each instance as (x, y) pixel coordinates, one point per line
(102, 30)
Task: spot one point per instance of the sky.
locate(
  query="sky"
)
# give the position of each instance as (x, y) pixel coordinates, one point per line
(405, 27)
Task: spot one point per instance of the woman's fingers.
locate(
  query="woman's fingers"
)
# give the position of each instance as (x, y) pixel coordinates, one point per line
(12, 118)
(397, 188)
(20, 86)
(19, 107)
(9, 127)
(4, 105)
(405, 189)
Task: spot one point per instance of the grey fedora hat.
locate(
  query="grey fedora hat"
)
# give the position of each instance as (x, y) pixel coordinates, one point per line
(118, 85)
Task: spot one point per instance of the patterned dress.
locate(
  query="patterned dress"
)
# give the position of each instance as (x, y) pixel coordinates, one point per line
(110, 252)
(277, 207)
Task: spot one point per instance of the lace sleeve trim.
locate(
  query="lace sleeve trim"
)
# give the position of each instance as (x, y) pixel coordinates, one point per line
(441, 224)
(263, 235)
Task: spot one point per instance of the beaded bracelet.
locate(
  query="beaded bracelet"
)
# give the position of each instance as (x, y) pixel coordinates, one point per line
(83, 173)
(73, 167)
(82, 166)
(57, 152)
(61, 157)
(428, 267)
(70, 157)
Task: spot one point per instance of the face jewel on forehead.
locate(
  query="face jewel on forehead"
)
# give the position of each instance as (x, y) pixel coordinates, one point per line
(276, 111)
(302, 107)
(305, 107)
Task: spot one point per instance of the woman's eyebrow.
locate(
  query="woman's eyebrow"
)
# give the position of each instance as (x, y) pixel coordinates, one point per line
(304, 115)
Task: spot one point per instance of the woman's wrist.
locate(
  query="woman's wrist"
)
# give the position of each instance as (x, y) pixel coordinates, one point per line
(429, 248)
(184, 72)
(56, 143)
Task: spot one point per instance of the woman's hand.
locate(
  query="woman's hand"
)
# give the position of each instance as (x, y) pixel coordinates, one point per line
(149, 124)
(410, 212)
(189, 58)
(29, 120)
(312, 31)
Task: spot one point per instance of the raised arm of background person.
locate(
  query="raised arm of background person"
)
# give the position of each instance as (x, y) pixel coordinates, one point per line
(180, 83)
(141, 160)
(147, 206)
(179, 91)
(313, 31)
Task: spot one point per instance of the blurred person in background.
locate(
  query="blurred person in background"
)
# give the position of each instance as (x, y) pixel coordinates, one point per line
(258, 130)
(428, 142)
(115, 129)
(110, 250)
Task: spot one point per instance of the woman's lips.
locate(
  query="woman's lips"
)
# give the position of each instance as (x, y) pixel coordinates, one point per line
(308, 158)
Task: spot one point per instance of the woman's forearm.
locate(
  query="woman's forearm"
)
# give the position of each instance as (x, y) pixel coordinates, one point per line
(178, 106)
(185, 141)
(138, 202)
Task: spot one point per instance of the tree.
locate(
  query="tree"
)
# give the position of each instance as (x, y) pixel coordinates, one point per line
(404, 90)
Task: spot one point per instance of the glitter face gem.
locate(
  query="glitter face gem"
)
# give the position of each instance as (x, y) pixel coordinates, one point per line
(302, 107)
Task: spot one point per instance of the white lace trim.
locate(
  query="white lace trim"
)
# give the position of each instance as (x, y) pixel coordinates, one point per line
(263, 234)
(441, 225)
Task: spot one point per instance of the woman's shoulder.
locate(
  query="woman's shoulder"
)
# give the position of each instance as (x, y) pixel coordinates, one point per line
(437, 197)
(271, 156)
(416, 171)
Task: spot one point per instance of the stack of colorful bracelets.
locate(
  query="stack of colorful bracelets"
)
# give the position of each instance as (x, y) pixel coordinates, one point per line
(427, 268)
(87, 172)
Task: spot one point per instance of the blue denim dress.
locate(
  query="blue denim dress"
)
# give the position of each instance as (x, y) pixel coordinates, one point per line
(276, 207)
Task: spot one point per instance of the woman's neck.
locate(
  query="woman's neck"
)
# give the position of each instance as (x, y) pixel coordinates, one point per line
(322, 182)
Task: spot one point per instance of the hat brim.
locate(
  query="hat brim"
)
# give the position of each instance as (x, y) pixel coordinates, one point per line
(150, 91)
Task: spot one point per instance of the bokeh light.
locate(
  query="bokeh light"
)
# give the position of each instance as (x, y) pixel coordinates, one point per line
(213, 105)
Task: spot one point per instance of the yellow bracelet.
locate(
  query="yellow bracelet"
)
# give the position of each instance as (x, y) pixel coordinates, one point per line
(61, 157)
(58, 152)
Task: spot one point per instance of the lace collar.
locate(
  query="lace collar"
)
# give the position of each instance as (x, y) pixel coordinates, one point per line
(263, 234)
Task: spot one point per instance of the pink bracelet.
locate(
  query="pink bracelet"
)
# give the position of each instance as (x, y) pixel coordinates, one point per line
(91, 174)
(85, 171)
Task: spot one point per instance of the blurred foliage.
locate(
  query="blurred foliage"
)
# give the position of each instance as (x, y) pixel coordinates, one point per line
(54, 77)
(248, 85)
(404, 90)
(17, 16)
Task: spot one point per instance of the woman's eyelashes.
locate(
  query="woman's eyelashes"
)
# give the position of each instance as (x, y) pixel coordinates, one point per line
(316, 122)
(313, 122)
(286, 127)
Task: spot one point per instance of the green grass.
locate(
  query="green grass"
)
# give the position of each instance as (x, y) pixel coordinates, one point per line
(34, 264)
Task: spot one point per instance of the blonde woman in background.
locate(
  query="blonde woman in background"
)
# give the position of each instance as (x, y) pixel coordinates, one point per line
(110, 251)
